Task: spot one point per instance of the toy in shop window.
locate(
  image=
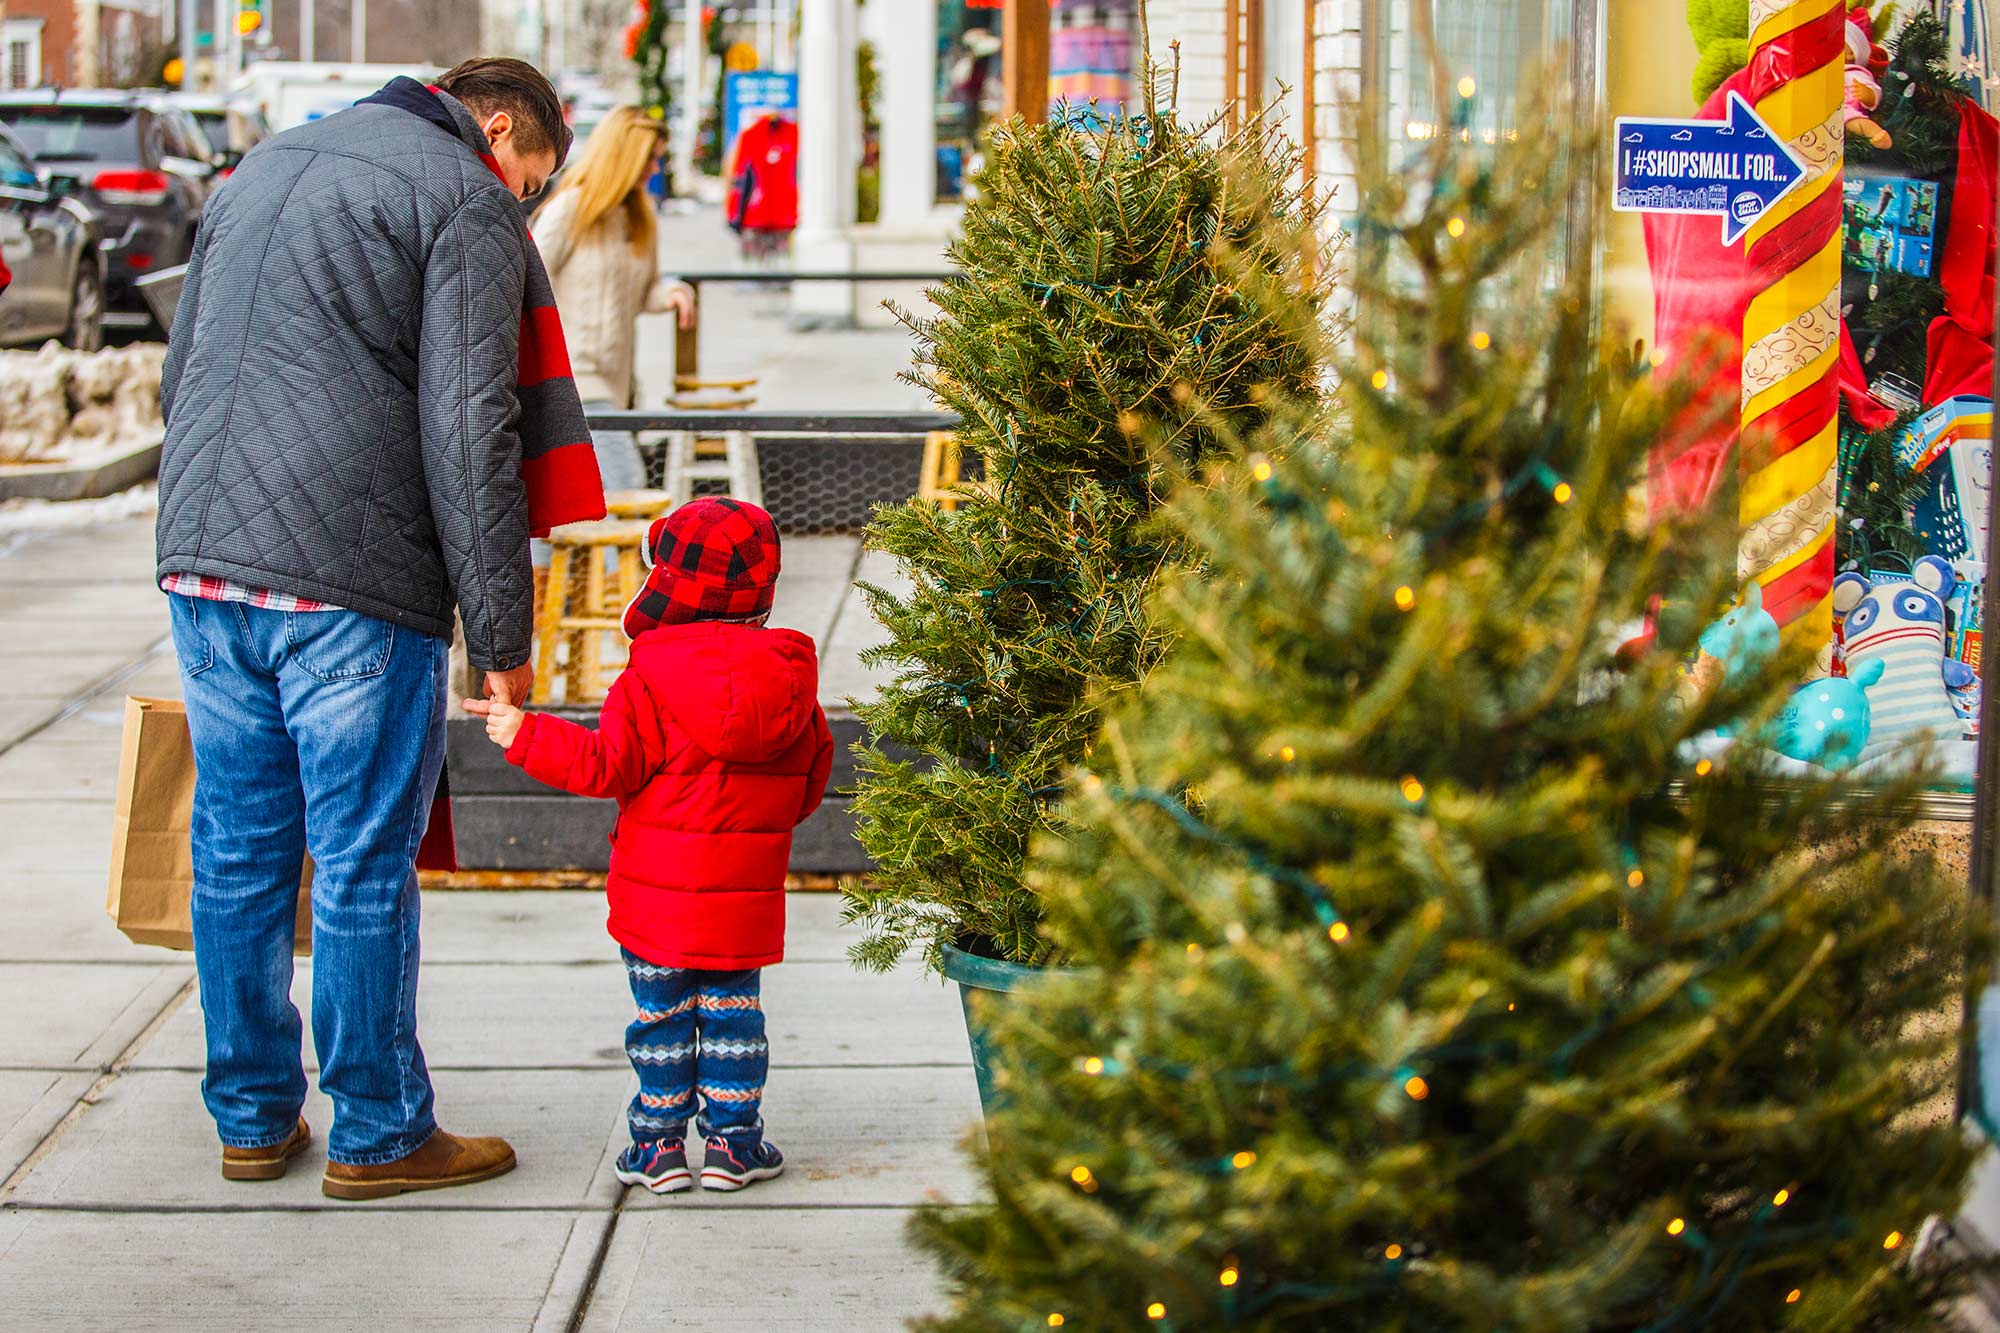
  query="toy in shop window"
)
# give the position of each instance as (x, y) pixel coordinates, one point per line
(764, 185)
(1890, 224)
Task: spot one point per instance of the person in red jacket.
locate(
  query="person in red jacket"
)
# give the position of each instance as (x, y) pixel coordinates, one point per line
(714, 745)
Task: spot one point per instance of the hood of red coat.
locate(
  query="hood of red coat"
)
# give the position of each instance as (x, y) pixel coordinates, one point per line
(740, 692)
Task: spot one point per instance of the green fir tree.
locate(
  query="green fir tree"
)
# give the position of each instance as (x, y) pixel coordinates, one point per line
(1889, 313)
(1424, 982)
(1878, 490)
(708, 143)
(650, 59)
(1118, 322)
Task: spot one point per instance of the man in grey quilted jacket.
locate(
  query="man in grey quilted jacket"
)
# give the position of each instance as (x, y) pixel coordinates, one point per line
(343, 466)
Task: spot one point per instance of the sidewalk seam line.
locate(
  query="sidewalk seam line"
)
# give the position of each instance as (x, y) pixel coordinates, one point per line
(103, 1081)
(596, 1270)
(81, 700)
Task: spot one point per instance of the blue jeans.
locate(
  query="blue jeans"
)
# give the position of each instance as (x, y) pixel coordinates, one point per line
(320, 731)
(696, 1031)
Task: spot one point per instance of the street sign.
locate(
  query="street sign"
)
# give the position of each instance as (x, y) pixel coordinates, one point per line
(1734, 169)
(746, 96)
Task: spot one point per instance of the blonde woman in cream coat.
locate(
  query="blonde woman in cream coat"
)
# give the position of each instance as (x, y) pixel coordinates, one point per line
(599, 241)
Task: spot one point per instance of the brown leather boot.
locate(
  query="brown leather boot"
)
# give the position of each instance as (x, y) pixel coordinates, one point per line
(266, 1163)
(444, 1160)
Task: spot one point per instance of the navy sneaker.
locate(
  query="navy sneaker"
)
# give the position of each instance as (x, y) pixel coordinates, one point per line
(661, 1166)
(731, 1167)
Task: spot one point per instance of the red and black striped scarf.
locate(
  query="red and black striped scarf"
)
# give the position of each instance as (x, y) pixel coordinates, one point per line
(558, 461)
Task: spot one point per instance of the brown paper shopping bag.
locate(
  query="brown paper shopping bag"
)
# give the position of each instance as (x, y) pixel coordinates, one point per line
(152, 868)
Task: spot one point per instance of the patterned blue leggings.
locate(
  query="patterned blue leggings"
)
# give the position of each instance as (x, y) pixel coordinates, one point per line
(696, 1030)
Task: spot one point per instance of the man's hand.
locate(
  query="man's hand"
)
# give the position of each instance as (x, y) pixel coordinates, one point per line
(511, 687)
(503, 720)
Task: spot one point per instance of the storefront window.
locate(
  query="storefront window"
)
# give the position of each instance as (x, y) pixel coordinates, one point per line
(1840, 300)
(1093, 55)
(970, 93)
(1491, 51)
(1093, 61)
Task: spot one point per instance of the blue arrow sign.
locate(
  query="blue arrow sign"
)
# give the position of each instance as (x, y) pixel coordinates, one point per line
(1735, 169)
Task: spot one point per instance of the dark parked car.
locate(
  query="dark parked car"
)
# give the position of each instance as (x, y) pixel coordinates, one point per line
(121, 157)
(50, 243)
(234, 128)
(189, 150)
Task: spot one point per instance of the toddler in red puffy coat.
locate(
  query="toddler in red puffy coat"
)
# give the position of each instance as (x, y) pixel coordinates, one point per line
(714, 745)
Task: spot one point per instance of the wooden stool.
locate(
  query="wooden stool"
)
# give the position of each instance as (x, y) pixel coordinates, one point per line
(731, 457)
(939, 477)
(594, 573)
(646, 505)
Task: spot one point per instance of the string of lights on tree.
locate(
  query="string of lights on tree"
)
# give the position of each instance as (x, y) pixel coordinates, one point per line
(1723, 1258)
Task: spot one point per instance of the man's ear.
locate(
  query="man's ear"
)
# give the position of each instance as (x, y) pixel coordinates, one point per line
(497, 124)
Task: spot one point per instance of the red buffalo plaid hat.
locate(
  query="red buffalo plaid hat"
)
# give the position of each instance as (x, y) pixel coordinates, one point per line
(711, 559)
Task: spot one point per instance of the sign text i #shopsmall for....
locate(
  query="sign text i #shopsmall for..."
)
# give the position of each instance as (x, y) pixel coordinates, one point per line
(1735, 169)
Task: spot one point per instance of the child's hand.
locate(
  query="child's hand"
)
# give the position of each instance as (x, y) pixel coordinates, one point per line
(503, 721)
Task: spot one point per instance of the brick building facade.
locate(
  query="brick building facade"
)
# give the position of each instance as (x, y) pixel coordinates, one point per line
(42, 43)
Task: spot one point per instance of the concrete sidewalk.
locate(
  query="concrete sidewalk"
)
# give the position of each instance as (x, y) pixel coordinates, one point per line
(112, 1211)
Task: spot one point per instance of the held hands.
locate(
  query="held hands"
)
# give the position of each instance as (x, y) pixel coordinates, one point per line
(505, 692)
(511, 687)
(503, 720)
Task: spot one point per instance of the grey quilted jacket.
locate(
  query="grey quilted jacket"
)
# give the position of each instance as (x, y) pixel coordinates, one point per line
(340, 386)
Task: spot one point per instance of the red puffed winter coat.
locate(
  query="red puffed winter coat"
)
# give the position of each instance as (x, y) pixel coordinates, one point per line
(714, 746)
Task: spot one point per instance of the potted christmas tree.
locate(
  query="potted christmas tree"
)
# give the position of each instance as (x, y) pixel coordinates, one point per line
(1132, 301)
(1427, 982)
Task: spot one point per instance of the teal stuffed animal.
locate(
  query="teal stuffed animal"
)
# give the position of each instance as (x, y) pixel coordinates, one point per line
(1745, 639)
(1826, 722)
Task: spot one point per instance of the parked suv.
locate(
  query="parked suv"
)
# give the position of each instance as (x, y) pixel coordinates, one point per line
(120, 155)
(50, 243)
(189, 151)
(233, 127)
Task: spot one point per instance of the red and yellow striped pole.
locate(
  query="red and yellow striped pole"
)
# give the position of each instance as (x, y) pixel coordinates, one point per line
(1791, 330)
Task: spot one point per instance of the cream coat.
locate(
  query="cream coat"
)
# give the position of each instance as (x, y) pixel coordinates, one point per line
(602, 287)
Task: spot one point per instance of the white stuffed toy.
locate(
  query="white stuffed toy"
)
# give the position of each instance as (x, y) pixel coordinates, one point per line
(1900, 622)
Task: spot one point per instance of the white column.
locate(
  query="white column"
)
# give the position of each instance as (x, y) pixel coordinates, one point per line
(83, 58)
(907, 58)
(531, 32)
(694, 47)
(308, 23)
(184, 33)
(829, 153)
(360, 34)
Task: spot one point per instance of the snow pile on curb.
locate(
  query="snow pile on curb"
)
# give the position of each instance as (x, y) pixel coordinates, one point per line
(60, 406)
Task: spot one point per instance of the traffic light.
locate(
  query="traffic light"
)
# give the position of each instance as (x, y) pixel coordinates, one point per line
(250, 17)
